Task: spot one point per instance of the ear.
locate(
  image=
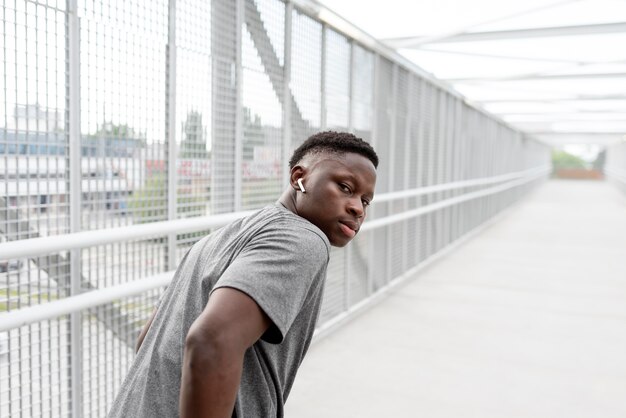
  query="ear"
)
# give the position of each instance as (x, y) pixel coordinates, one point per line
(297, 172)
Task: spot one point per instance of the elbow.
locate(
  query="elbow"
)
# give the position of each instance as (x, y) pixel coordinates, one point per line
(199, 350)
(207, 350)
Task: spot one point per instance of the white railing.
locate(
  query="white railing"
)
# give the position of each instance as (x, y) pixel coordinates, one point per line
(90, 299)
(616, 174)
(46, 245)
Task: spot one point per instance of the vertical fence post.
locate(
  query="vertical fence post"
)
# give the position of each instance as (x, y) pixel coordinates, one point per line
(351, 87)
(287, 94)
(73, 76)
(223, 104)
(239, 19)
(374, 108)
(420, 137)
(391, 168)
(170, 131)
(441, 163)
(323, 79)
(348, 252)
(407, 172)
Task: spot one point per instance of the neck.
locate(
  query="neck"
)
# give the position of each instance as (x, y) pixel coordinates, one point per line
(288, 200)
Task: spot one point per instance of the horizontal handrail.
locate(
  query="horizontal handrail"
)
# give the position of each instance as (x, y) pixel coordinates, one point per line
(93, 298)
(450, 202)
(457, 185)
(616, 173)
(90, 299)
(56, 243)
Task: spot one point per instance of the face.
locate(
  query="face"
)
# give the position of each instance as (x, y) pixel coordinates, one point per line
(338, 190)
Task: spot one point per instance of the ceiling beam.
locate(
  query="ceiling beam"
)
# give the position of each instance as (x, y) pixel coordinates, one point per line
(572, 113)
(536, 77)
(418, 41)
(553, 100)
(574, 138)
(508, 57)
(578, 133)
(578, 117)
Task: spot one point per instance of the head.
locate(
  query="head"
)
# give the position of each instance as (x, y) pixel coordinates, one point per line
(338, 173)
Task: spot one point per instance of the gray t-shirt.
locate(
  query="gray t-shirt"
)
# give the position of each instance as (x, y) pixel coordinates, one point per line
(277, 258)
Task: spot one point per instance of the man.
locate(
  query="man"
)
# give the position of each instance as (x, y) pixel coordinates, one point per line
(236, 321)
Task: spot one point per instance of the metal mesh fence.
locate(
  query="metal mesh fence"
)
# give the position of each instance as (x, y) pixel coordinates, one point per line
(362, 94)
(187, 109)
(305, 77)
(615, 165)
(263, 83)
(35, 370)
(337, 81)
(193, 109)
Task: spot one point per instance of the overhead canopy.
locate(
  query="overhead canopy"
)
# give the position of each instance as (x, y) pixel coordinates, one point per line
(553, 69)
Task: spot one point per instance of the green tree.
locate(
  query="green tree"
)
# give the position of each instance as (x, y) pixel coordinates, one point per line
(562, 159)
(149, 204)
(193, 144)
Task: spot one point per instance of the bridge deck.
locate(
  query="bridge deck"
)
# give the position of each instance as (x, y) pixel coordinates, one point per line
(527, 319)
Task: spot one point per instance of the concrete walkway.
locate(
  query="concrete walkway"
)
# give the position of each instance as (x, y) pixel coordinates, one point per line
(528, 319)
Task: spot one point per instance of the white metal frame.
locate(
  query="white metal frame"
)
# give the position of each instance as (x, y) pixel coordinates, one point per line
(76, 303)
(617, 174)
(76, 328)
(492, 192)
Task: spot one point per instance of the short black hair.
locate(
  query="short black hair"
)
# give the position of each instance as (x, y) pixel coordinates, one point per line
(335, 143)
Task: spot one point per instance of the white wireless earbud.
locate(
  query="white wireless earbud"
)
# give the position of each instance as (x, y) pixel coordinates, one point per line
(301, 186)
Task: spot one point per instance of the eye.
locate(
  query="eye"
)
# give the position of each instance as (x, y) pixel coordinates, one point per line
(344, 187)
(366, 203)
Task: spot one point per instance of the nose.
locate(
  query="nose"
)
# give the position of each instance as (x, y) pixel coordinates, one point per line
(355, 207)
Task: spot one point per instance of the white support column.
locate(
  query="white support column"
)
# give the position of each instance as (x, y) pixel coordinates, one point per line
(392, 155)
(457, 164)
(240, 19)
(351, 88)
(448, 219)
(350, 247)
(420, 248)
(223, 104)
(347, 272)
(287, 94)
(375, 82)
(172, 154)
(392, 127)
(75, 195)
(323, 79)
(407, 165)
(441, 163)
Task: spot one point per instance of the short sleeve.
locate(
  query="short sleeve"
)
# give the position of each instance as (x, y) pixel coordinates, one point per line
(278, 268)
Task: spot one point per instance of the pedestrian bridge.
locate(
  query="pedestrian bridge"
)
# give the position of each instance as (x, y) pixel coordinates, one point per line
(476, 287)
(524, 319)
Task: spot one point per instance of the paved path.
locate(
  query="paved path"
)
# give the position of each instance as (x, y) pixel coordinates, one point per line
(528, 319)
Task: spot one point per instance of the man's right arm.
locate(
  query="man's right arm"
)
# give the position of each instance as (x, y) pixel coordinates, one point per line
(214, 350)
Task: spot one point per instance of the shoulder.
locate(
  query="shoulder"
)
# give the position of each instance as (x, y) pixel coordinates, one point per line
(300, 233)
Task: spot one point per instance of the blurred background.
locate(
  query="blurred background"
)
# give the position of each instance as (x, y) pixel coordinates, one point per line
(130, 129)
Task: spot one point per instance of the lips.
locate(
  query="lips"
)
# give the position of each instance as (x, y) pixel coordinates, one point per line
(349, 228)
